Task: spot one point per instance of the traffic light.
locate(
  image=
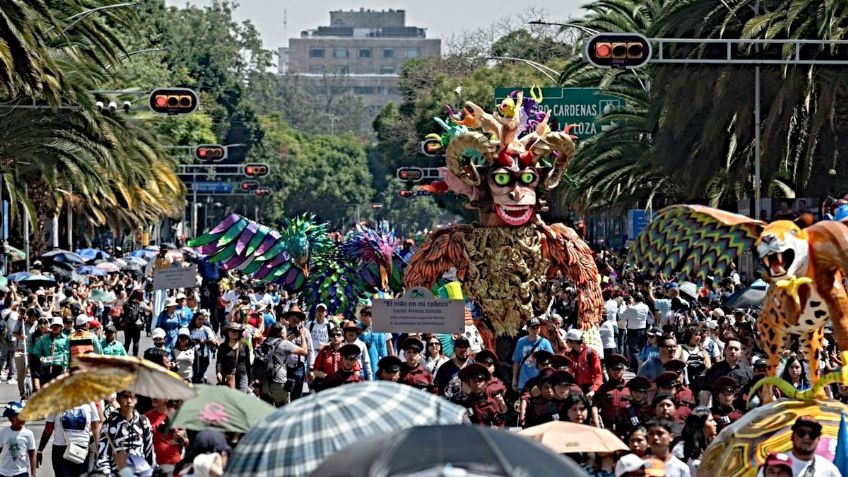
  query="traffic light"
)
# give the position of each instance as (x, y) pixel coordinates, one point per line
(262, 191)
(210, 152)
(617, 50)
(376, 206)
(412, 174)
(407, 194)
(248, 186)
(256, 170)
(173, 101)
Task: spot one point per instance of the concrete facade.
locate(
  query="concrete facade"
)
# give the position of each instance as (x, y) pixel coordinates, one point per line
(368, 47)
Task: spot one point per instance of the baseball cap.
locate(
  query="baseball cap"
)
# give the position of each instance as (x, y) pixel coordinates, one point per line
(779, 459)
(630, 463)
(158, 333)
(807, 421)
(111, 329)
(533, 322)
(82, 320)
(57, 321)
(184, 332)
(574, 335)
(717, 313)
(321, 305)
(13, 409)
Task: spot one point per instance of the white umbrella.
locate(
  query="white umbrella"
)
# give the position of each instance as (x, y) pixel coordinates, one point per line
(108, 267)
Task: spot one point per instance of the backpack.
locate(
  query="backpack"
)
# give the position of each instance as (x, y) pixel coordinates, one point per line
(695, 364)
(133, 315)
(265, 364)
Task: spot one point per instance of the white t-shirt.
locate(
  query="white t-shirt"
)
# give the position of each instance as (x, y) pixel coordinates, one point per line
(607, 331)
(231, 298)
(637, 316)
(823, 467)
(263, 298)
(14, 459)
(611, 309)
(675, 467)
(78, 421)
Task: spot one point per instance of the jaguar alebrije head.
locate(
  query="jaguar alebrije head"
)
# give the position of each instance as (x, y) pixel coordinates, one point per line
(784, 248)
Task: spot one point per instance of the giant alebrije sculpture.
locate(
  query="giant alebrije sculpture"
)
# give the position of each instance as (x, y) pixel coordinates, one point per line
(805, 263)
(505, 163)
(302, 258)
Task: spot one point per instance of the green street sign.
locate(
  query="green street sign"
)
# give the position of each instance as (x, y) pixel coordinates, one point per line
(581, 107)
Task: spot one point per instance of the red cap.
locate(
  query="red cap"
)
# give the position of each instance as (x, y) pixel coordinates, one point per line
(95, 324)
(779, 459)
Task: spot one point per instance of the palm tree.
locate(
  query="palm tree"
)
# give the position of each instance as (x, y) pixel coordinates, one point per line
(706, 113)
(615, 169)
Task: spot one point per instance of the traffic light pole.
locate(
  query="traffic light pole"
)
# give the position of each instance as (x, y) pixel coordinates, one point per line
(729, 59)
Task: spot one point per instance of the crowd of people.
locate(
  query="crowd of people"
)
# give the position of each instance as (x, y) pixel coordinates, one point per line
(673, 368)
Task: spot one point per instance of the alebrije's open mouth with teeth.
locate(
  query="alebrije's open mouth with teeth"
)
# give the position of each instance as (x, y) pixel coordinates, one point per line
(778, 263)
(514, 214)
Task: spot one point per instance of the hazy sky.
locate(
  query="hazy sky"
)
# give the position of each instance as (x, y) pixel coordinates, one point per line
(441, 18)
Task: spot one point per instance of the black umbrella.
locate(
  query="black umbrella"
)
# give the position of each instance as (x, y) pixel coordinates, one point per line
(435, 450)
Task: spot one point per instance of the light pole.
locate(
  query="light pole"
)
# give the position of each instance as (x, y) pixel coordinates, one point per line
(545, 70)
(78, 17)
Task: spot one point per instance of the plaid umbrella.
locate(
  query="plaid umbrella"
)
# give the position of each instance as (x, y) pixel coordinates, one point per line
(298, 437)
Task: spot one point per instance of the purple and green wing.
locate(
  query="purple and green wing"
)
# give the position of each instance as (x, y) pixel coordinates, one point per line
(693, 241)
(257, 250)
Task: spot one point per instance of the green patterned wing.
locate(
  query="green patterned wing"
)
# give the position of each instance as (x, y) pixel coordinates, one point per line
(693, 241)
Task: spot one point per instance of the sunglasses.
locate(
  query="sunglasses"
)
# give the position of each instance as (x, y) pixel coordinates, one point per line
(435, 343)
(804, 433)
(349, 358)
(487, 362)
(335, 334)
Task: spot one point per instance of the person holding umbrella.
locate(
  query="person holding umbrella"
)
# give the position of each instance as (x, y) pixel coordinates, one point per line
(347, 371)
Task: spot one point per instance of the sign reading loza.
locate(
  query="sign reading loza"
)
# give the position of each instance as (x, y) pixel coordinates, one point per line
(418, 312)
(175, 276)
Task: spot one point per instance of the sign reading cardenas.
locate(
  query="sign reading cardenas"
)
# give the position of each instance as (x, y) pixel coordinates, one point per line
(582, 107)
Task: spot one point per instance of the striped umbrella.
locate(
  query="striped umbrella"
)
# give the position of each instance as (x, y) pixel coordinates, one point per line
(298, 437)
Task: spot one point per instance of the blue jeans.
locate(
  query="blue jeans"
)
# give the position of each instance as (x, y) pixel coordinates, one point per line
(636, 340)
(297, 374)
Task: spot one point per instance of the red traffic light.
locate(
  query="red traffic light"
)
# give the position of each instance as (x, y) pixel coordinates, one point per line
(210, 152)
(173, 100)
(617, 50)
(256, 170)
(407, 194)
(248, 186)
(262, 191)
(412, 174)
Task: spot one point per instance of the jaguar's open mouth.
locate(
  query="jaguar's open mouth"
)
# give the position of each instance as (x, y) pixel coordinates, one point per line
(778, 263)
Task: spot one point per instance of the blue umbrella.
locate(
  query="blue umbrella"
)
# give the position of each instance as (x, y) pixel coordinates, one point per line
(38, 281)
(298, 437)
(91, 270)
(16, 277)
(144, 253)
(136, 260)
(92, 253)
(64, 256)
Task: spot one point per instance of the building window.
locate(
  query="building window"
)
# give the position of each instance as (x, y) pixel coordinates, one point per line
(387, 70)
(365, 52)
(363, 90)
(339, 52)
(388, 52)
(316, 69)
(316, 52)
(413, 52)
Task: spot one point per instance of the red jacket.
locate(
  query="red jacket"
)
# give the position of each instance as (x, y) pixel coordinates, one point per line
(586, 368)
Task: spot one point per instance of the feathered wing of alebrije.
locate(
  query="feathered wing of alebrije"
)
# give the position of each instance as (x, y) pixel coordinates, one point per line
(693, 241)
(332, 286)
(263, 253)
(364, 246)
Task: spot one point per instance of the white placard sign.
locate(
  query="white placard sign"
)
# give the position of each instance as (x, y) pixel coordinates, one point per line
(418, 312)
(175, 276)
